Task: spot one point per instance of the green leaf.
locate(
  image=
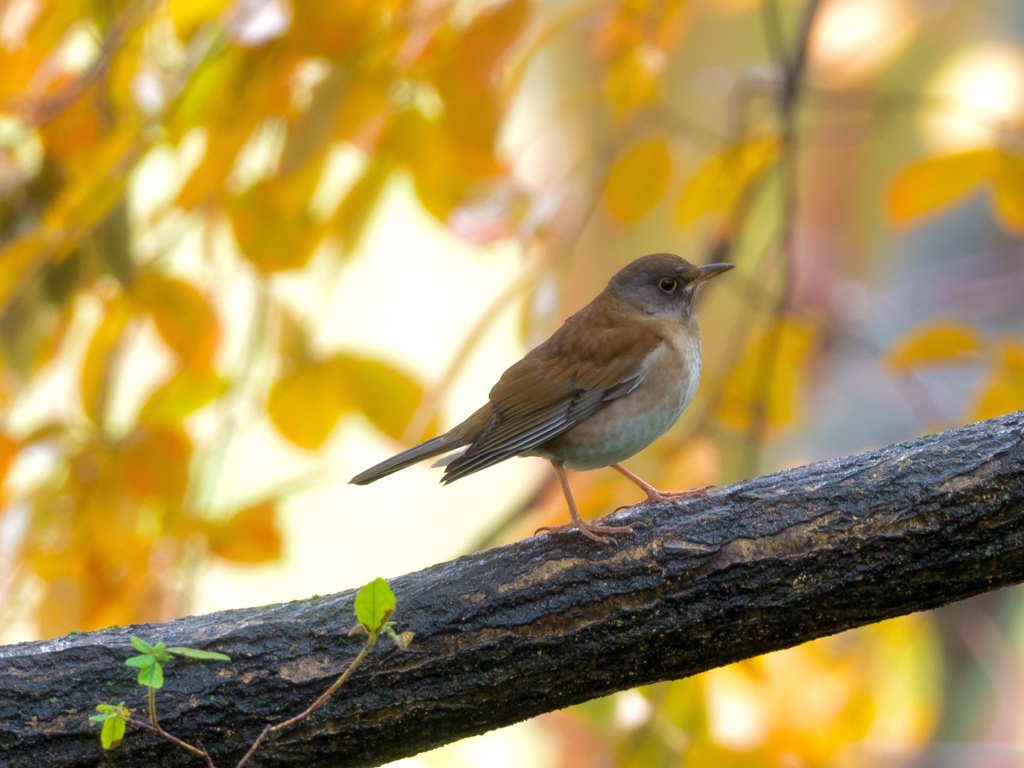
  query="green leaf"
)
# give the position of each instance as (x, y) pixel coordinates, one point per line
(195, 653)
(374, 604)
(144, 660)
(141, 645)
(106, 711)
(152, 675)
(112, 733)
(113, 718)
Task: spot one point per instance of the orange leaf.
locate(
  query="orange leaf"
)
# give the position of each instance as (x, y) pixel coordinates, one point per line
(1009, 197)
(937, 181)
(76, 128)
(638, 180)
(186, 321)
(306, 403)
(722, 180)
(936, 342)
(8, 450)
(155, 468)
(251, 535)
(484, 41)
(100, 356)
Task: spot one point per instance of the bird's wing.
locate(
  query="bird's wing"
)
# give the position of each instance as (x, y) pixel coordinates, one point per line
(556, 386)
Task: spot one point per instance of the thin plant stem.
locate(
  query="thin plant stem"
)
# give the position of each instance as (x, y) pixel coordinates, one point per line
(270, 729)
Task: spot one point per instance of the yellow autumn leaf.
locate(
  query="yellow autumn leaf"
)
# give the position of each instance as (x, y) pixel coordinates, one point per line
(721, 181)
(189, 15)
(185, 392)
(1003, 388)
(183, 316)
(745, 391)
(1009, 194)
(935, 342)
(1000, 394)
(450, 155)
(272, 224)
(251, 535)
(631, 81)
(101, 355)
(306, 403)
(638, 180)
(937, 181)
(1012, 356)
(387, 396)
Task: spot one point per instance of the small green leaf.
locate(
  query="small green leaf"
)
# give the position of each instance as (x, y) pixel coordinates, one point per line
(144, 660)
(374, 604)
(107, 711)
(141, 645)
(113, 717)
(152, 676)
(195, 653)
(112, 733)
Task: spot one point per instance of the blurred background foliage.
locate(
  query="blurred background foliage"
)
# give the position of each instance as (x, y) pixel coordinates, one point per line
(248, 247)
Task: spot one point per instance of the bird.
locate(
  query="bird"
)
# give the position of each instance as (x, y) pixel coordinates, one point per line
(611, 380)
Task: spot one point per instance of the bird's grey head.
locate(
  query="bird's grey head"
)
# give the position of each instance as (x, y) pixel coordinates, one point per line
(663, 284)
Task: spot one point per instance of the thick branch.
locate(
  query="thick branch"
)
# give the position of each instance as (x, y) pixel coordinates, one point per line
(512, 632)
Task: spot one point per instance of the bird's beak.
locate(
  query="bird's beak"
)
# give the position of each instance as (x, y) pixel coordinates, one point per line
(710, 270)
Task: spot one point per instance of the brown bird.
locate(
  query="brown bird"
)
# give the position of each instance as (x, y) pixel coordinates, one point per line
(610, 381)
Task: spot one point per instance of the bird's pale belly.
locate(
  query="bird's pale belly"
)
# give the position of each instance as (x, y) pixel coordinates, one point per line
(627, 425)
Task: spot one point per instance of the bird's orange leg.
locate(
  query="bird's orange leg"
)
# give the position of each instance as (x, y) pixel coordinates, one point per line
(590, 530)
(653, 494)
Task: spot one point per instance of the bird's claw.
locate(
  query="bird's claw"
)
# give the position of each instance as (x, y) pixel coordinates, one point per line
(654, 496)
(592, 532)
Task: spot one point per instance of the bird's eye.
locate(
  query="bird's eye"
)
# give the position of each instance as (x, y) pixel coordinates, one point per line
(667, 284)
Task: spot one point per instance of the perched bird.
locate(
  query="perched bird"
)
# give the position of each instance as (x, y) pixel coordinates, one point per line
(610, 381)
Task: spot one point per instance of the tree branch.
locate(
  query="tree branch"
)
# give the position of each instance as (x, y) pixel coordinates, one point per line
(510, 633)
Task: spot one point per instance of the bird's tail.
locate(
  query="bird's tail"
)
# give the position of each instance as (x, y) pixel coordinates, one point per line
(443, 444)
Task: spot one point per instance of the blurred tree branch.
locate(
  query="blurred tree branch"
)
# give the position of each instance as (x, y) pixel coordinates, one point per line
(509, 633)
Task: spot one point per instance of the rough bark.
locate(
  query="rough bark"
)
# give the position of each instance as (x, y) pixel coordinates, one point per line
(509, 633)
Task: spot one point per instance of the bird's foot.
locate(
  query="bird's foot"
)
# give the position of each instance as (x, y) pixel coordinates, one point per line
(654, 495)
(592, 531)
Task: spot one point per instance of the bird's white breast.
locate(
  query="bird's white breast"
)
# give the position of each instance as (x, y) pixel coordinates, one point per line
(631, 423)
